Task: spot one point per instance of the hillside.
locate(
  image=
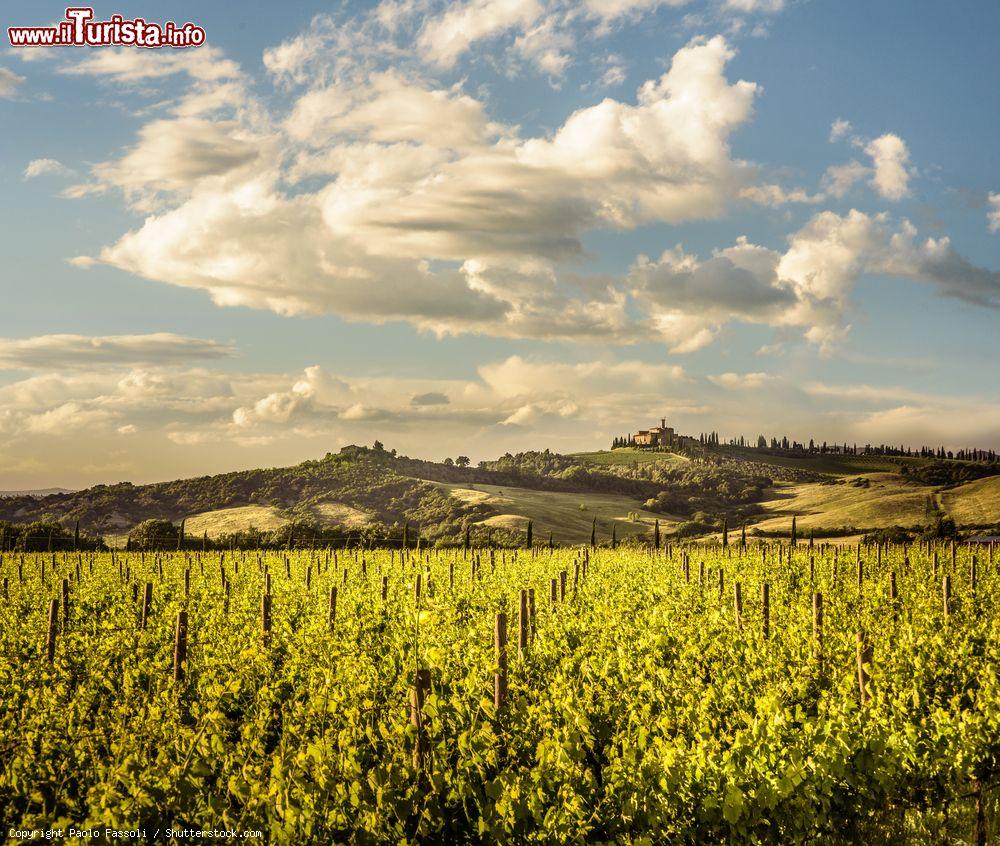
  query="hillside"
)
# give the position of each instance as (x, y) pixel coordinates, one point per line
(374, 493)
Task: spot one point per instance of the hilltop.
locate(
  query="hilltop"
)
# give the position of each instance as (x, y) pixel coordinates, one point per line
(374, 494)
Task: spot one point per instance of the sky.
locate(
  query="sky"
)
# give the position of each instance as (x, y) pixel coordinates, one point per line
(479, 226)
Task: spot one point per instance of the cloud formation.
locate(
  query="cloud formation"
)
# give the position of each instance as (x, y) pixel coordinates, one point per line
(9, 83)
(81, 351)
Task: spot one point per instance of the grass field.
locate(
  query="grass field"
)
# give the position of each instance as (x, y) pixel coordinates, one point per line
(228, 520)
(974, 503)
(887, 501)
(560, 513)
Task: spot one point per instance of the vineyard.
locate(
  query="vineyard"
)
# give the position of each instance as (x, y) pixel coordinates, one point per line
(686, 694)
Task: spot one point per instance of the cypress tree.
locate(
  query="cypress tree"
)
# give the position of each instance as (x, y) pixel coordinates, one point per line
(466, 543)
(76, 536)
(406, 535)
(656, 534)
(614, 536)
(794, 532)
(204, 541)
(593, 534)
(725, 532)
(743, 536)
(527, 542)
(551, 545)
(180, 537)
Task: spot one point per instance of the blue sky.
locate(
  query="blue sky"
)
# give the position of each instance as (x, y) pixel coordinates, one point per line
(472, 227)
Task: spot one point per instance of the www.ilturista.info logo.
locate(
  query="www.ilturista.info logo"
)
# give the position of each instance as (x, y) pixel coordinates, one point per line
(79, 29)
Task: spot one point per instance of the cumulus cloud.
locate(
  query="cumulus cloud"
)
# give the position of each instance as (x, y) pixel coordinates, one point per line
(993, 213)
(890, 160)
(46, 167)
(82, 351)
(9, 83)
(454, 224)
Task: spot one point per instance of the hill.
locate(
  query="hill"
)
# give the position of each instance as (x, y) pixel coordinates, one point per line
(373, 493)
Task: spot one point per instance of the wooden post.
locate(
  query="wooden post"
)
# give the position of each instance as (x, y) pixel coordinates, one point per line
(818, 628)
(500, 649)
(554, 592)
(309, 576)
(865, 654)
(147, 600)
(385, 589)
(187, 582)
(531, 613)
(421, 686)
(562, 585)
(50, 640)
(451, 575)
(946, 595)
(416, 588)
(333, 602)
(765, 603)
(522, 625)
(972, 577)
(265, 618)
(722, 585)
(738, 604)
(861, 572)
(180, 645)
(65, 603)
(892, 586)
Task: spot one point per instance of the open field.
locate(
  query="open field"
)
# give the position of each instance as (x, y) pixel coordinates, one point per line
(225, 521)
(974, 503)
(887, 501)
(561, 513)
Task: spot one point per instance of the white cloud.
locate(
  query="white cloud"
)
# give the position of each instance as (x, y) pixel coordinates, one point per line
(839, 179)
(775, 195)
(130, 65)
(838, 129)
(46, 167)
(9, 83)
(450, 222)
(762, 6)
(993, 214)
(82, 351)
(444, 39)
(890, 159)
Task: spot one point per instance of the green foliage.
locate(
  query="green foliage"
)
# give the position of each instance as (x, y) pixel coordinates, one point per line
(642, 711)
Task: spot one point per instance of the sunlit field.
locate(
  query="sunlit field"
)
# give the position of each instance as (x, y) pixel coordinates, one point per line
(684, 694)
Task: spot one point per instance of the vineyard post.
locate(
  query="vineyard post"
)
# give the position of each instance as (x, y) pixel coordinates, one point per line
(500, 648)
(265, 618)
(522, 625)
(972, 579)
(861, 573)
(187, 582)
(738, 604)
(818, 628)
(332, 615)
(180, 645)
(309, 577)
(722, 584)
(385, 589)
(562, 585)
(147, 600)
(531, 613)
(65, 603)
(946, 595)
(892, 587)
(865, 653)
(50, 640)
(451, 574)
(421, 686)
(554, 592)
(765, 601)
(416, 590)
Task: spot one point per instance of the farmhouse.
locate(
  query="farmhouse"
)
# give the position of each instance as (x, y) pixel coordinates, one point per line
(658, 436)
